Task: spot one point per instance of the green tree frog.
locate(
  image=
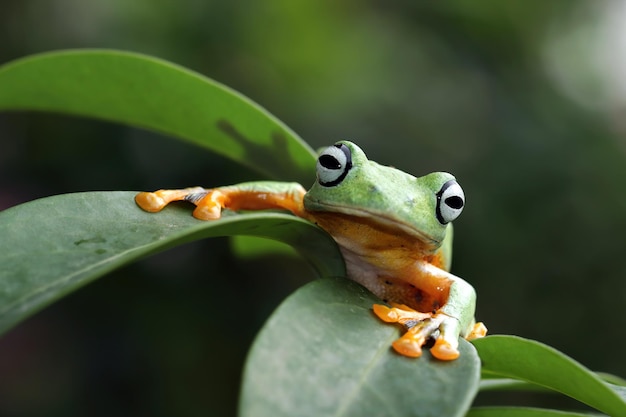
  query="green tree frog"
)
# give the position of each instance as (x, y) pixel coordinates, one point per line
(392, 228)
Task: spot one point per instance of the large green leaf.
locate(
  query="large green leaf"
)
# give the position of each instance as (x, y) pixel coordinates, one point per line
(147, 92)
(52, 246)
(323, 353)
(534, 362)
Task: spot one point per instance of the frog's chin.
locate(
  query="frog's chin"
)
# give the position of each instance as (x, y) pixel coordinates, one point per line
(383, 220)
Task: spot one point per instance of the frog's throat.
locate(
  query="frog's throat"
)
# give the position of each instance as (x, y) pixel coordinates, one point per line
(377, 217)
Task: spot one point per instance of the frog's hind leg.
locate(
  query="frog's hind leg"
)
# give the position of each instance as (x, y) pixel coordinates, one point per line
(208, 203)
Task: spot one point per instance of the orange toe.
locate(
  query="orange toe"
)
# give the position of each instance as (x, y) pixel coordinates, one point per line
(408, 347)
(444, 351)
(150, 202)
(479, 330)
(385, 313)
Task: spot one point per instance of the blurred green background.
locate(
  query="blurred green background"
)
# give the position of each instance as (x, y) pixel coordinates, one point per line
(523, 101)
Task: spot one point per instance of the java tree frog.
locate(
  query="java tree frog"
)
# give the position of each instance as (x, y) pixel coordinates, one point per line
(393, 230)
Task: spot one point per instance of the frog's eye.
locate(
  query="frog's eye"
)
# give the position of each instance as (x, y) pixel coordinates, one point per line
(450, 202)
(333, 165)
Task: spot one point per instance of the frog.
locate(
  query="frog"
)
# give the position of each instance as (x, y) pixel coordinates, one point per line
(394, 231)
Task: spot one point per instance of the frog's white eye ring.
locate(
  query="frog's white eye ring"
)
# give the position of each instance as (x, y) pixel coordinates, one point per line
(333, 165)
(450, 202)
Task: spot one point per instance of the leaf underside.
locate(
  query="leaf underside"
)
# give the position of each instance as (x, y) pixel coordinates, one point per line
(147, 92)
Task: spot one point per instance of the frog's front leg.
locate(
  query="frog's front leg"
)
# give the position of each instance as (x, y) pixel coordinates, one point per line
(449, 322)
(209, 203)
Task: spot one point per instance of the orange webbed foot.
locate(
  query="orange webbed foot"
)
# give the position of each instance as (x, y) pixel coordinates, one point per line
(156, 201)
(423, 326)
(209, 202)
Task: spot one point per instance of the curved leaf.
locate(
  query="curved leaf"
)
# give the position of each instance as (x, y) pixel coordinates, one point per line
(52, 246)
(619, 390)
(147, 92)
(509, 384)
(522, 412)
(324, 353)
(490, 383)
(248, 247)
(515, 357)
(613, 379)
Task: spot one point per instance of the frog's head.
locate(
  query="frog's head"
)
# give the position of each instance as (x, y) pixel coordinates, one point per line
(348, 183)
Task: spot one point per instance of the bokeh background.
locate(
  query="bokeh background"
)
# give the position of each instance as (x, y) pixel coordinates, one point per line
(523, 101)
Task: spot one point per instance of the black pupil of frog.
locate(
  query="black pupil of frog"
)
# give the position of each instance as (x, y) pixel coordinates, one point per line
(454, 202)
(329, 162)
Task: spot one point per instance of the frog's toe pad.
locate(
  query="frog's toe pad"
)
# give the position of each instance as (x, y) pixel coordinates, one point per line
(207, 212)
(150, 202)
(444, 351)
(386, 314)
(479, 330)
(408, 345)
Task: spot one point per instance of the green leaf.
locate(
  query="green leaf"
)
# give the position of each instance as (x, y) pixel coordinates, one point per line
(534, 362)
(509, 384)
(52, 246)
(489, 382)
(619, 390)
(147, 92)
(323, 353)
(250, 247)
(613, 379)
(523, 412)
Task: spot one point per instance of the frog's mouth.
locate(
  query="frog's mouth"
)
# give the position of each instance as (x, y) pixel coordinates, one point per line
(378, 220)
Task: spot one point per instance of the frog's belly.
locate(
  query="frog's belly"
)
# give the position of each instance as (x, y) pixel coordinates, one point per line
(404, 285)
(387, 261)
